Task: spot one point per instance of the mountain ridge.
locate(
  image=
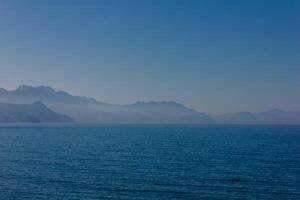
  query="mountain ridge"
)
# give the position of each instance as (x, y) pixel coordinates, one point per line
(87, 109)
(44, 94)
(273, 116)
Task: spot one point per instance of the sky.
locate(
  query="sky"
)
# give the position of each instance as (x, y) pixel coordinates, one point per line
(215, 56)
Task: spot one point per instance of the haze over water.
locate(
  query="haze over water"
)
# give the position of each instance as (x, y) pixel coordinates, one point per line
(118, 90)
(213, 56)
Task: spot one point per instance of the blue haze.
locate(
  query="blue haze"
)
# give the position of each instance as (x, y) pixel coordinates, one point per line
(215, 56)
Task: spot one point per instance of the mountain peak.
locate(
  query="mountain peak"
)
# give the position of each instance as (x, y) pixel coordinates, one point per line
(38, 103)
(45, 88)
(29, 94)
(41, 88)
(24, 87)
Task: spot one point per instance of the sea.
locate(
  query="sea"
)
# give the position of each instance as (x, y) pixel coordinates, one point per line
(143, 162)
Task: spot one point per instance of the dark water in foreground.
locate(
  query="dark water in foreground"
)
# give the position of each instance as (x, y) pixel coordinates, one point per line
(150, 162)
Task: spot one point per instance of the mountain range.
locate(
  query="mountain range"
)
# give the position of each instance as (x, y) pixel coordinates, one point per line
(85, 109)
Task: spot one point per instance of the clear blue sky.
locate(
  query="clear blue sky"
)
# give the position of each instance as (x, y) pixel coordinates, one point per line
(216, 56)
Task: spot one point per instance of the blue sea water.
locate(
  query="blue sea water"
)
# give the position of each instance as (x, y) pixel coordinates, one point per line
(149, 162)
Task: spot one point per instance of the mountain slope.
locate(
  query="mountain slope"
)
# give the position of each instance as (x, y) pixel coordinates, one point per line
(36, 112)
(30, 94)
(169, 111)
(84, 109)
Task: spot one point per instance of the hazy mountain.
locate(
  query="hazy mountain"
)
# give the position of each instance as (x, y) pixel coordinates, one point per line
(149, 112)
(84, 109)
(268, 117)
(30, 94)
(36, 112)
(169, 111)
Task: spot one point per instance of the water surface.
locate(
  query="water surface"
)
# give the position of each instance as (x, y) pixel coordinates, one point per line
(149, 162)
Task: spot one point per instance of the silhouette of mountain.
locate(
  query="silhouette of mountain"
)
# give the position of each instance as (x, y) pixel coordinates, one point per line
(30, 94)
(275, 116)
(84, 109)
(36, 112)
(167, 111)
